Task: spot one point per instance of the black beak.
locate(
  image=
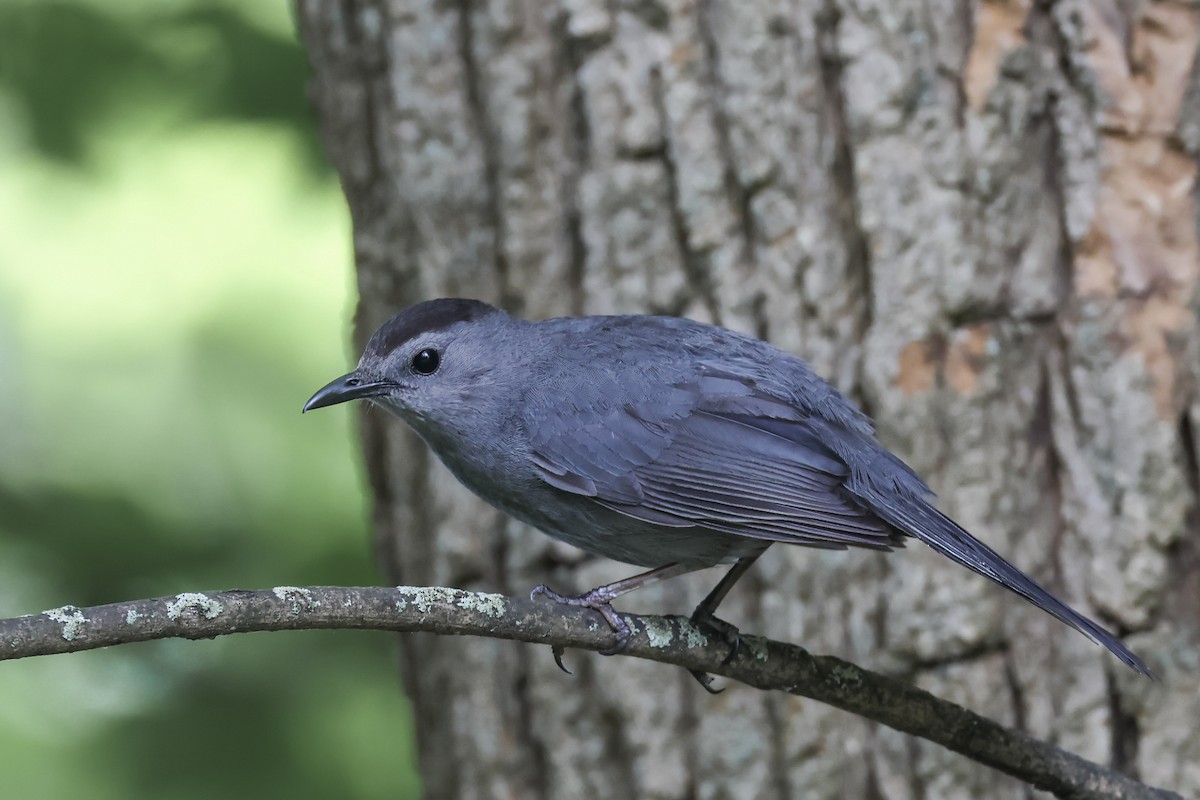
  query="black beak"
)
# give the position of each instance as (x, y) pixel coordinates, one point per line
(347, 387)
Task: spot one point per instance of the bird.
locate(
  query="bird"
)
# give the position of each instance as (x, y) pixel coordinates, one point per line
(662, 442)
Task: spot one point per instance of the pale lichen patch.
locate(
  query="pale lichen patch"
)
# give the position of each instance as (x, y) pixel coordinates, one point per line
(197, 601)
(300, 598)
(426, 597)
(71, 619)
(846, 675)
(492, 605)
(132, 616)
(757, 648)
(694, 637)
(659, 634)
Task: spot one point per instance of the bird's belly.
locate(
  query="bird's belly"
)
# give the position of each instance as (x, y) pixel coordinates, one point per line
(581, 522)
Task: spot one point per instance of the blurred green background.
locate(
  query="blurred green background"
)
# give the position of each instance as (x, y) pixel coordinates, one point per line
(175, 280)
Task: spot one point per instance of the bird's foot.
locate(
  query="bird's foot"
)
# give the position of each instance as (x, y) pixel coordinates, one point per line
(726, 631)
(600, 601)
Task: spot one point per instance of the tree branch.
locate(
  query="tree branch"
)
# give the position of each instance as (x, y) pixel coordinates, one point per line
(761, 663)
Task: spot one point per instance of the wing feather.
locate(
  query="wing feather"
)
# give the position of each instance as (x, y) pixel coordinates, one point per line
(679, 464)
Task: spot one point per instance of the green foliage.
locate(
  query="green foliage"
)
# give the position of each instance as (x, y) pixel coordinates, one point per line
(74, 66)
(174, 280)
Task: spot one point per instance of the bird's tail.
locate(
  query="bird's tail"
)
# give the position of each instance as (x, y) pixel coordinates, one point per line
(921, 520)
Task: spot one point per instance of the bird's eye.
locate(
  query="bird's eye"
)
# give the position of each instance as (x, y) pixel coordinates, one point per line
(426, 361)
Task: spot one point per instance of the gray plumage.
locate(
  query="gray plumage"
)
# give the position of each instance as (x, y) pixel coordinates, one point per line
(660, 442)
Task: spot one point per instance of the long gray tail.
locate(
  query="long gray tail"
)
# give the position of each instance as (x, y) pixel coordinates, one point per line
(921, 520)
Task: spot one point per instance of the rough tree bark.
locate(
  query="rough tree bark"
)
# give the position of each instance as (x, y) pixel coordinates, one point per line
(978, 219)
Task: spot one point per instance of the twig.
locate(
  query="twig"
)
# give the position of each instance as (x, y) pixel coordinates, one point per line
(761, 663)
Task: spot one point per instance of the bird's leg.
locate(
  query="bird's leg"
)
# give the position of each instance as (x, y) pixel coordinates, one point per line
(600, 600)
(704, 616)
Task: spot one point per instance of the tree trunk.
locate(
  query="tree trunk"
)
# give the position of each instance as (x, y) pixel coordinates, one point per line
(978, 219)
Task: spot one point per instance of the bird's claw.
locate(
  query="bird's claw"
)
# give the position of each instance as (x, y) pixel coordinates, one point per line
(558, 651)
(705, 681)
(599, 601)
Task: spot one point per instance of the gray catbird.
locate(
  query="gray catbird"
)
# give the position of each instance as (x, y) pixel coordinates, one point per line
(660, 442)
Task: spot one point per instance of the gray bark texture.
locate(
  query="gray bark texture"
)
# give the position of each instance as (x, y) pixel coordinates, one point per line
(978, 219)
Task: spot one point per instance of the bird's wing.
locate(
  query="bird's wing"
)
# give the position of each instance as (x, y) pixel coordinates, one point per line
(708, 453)
(719, 452)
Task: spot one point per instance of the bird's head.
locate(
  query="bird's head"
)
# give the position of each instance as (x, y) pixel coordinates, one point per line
(425, 363)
